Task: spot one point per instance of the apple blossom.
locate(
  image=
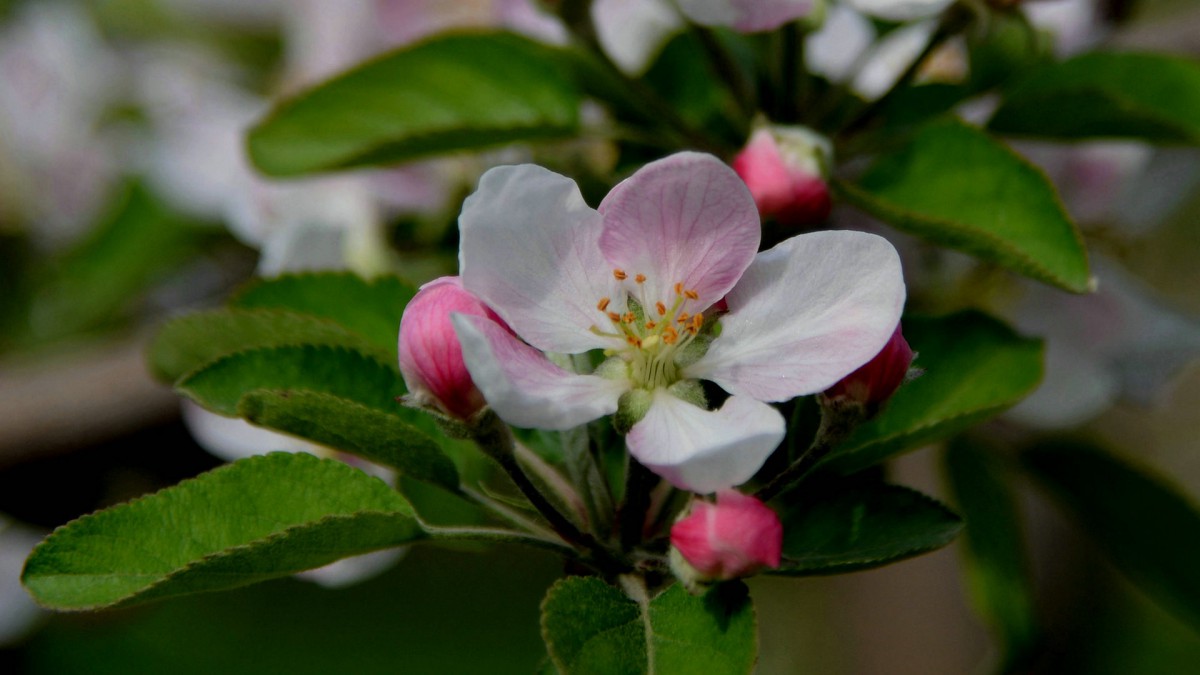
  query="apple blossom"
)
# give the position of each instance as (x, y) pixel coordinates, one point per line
(639, 279)
(1077, 25)
(198, 115)
(845, 50)
(407, 21)
(58, 159)
(834, 51)
(1128, 186)
(746, 16)
(890, 57)
(785, 169)
(879, 378)
(1122, 342)
(632, 32)
(900, 10)
(735, 537)
(431, 358)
